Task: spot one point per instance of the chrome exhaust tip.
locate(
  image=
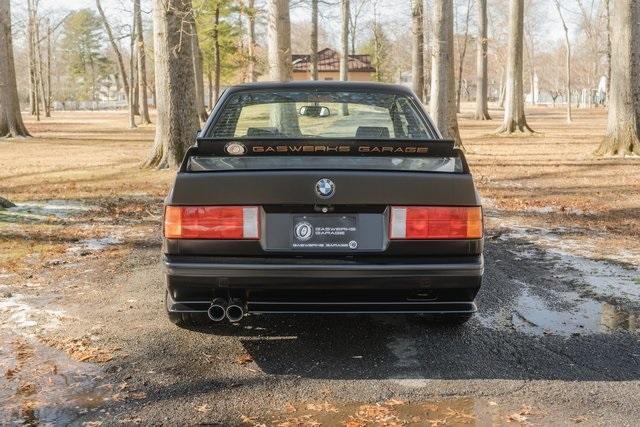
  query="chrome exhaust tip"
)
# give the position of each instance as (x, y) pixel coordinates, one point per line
(235, 311)
(217, 311)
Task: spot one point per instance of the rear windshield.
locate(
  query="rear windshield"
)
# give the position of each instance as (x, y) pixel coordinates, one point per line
(315, 114)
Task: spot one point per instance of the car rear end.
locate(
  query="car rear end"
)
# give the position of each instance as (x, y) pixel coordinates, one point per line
(323, 225)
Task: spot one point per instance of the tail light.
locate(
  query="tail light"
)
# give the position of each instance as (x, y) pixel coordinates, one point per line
(211, 222)
(435, 222)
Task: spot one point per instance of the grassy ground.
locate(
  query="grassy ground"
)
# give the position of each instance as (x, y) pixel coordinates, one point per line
(548, 180)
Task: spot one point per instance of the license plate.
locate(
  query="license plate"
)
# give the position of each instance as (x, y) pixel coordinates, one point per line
(326, 232)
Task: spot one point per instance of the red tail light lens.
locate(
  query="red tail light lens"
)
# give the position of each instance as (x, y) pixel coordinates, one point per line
(436, 222)
(211, 222)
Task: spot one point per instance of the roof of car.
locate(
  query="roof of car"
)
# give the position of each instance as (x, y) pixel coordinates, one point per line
(327, 85)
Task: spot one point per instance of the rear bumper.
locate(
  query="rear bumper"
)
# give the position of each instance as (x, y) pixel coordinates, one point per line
(260, 268)
(299, 285)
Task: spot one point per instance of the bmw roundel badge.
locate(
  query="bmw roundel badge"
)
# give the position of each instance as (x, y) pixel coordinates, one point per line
(325, 188)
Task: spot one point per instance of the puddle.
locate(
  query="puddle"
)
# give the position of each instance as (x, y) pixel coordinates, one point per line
(533, 315)
(95, 245)
(598, 277)
(395, 412)
(41, 385)
(18, 314)
(36, 211)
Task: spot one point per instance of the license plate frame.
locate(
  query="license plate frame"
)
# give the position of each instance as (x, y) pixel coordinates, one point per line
(328, 232)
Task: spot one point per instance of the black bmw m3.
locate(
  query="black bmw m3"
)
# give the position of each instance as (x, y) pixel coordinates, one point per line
(321, 197)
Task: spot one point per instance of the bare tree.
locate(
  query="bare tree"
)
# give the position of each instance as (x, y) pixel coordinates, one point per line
(197, 72)
(568, 63)
(344, 49)
(623, 125)
(417, 52)
(344, 41)
(142, 63)
(314, 40)
(11, 124)
(284, 115)
(442, 106)
(177, 121)
(116, 49)
(463, 53)
(356, 9)
(514, 118)
(132, 75)
(216, 55)
(427, 27)
(608, 49)
(482, 107)
(251, 14)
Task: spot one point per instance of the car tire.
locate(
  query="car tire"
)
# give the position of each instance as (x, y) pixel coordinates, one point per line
(189, 321)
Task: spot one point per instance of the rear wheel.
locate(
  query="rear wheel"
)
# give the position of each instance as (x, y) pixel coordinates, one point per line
(185, 320)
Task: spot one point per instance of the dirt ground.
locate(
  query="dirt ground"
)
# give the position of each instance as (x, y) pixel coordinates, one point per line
(84, 338)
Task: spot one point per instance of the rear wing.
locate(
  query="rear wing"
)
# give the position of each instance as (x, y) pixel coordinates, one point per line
(411, 150)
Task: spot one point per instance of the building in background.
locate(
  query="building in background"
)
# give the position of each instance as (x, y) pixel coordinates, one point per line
(360, 68)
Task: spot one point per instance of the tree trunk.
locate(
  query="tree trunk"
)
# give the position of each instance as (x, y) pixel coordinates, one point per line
(32, 83)
(40, 70)
(132, 95)
(116, 49)
(6, 204)
(608, 50)
(198, 74)
(514, 118)
(442, 106)
(11, 123)
(142, 64)
(568, 63)
(463, 53)
(314, 40)
(216, 56)
(344, 50)
(482, 82)
(283, 116)
(623, 125)
(253, 75)
(49, 51)
(177, 120)
(417, 51)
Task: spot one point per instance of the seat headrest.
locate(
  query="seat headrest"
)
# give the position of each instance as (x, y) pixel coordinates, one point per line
(372, 132)
(262, 131)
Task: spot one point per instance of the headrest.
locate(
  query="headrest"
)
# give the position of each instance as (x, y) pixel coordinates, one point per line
(372, 132)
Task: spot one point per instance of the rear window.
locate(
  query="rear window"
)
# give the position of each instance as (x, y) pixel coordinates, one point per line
(314, 114)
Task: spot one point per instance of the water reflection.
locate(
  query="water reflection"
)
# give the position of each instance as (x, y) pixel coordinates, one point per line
(570, 314)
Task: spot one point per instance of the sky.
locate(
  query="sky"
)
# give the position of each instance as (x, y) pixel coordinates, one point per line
(394, 12)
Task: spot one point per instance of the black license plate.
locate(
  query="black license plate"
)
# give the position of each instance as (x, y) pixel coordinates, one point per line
(325, 232)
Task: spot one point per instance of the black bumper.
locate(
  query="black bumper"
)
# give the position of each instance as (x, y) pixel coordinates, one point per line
(303, 285)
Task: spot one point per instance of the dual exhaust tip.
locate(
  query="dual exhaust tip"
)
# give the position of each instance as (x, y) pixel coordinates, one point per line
(221, 308)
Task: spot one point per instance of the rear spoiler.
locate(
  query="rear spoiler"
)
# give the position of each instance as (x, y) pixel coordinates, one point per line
(223, 147)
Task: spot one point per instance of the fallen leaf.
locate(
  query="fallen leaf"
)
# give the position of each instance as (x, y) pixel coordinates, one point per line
(244, 359)
(202, 408)
(517, 418)
(321, 407)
